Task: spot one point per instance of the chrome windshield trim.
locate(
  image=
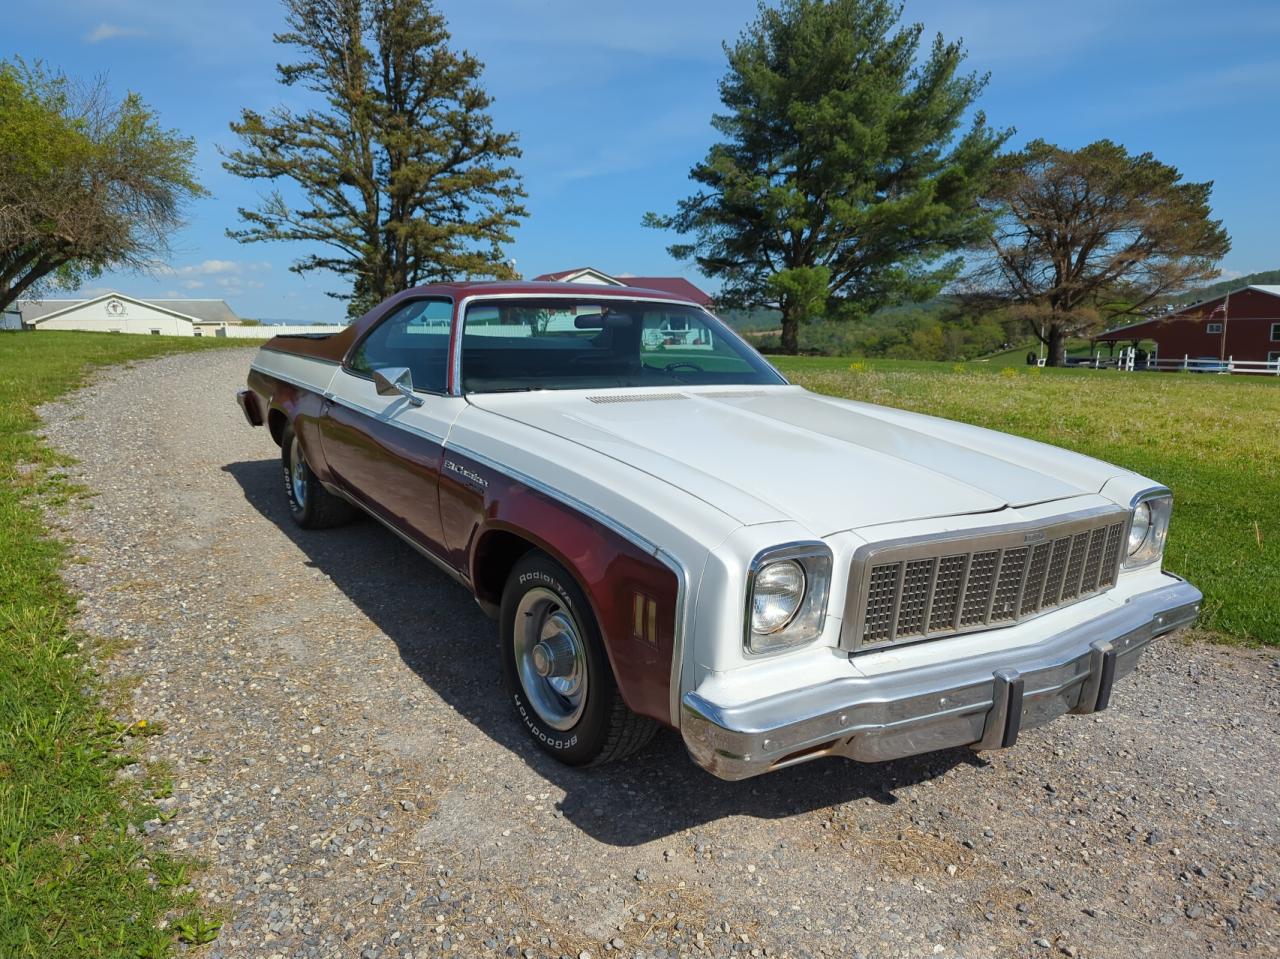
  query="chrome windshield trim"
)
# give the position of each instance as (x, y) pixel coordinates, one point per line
(460, 313)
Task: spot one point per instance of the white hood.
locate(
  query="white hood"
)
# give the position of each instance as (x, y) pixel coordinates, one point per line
(772, 453)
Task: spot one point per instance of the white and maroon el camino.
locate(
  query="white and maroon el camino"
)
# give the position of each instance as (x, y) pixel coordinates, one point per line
(670, 533)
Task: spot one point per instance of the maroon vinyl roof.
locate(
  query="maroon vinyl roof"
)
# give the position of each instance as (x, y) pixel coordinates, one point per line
(466, 288)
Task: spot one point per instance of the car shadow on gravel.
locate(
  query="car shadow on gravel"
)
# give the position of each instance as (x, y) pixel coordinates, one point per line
(452, 648)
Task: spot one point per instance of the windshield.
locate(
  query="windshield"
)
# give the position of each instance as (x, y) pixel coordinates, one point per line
(571, 344)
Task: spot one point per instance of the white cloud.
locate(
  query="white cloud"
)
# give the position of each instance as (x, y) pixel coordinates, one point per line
(214, 268)
(110, 31)
(215, 277)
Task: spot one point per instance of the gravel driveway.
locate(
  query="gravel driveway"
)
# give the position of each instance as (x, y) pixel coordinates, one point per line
(345, 763)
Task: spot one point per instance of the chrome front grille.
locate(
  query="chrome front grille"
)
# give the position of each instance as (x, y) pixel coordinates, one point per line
(931, 587)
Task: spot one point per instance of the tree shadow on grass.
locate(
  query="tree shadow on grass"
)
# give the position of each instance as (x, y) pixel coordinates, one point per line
(442, 635)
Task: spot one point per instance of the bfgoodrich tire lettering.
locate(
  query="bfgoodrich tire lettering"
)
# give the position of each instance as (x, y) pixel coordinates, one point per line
(310, 504)
(564, 694)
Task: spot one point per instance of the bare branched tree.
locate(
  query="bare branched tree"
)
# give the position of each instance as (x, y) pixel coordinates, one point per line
(1085, 236)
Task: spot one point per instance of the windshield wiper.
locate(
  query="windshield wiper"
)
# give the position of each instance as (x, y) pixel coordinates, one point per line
(665, 372)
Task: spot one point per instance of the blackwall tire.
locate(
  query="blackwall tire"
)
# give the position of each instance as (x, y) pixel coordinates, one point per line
(556, 671)
(310, 505)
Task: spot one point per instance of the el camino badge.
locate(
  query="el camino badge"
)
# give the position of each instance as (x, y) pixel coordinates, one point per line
(466, 474)
(1035, 536)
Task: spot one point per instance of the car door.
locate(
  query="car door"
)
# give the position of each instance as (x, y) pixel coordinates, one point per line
(385, 451)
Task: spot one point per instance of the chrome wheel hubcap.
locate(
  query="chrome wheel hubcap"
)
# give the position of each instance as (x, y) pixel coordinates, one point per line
(298, 473)
(550, 658)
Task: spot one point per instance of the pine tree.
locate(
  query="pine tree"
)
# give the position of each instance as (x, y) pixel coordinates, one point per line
(840, 185)
(398, 174)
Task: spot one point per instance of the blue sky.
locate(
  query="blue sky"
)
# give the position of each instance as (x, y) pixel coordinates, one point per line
(612, 99)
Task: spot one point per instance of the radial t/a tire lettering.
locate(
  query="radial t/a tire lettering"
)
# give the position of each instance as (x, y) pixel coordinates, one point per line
(556, 671)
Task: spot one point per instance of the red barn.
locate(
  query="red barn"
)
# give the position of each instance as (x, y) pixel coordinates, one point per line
(1243, 325)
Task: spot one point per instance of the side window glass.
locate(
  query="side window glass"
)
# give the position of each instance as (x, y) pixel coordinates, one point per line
(415, 336)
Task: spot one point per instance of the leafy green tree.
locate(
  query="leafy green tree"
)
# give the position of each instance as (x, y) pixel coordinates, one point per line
(1085, 236)
(87, 182)
(398, 175)
(841, 184)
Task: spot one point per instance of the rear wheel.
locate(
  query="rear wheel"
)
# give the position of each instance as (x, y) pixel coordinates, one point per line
(556, 671)
(310, 504)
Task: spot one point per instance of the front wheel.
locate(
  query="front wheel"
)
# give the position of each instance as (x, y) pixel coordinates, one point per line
(556, 671)
(310, 504)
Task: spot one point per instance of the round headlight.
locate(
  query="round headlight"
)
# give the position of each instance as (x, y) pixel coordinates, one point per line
(1140, 528)
(778, 593)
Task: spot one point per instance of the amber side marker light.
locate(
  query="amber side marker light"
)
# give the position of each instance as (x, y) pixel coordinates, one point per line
(644, 619)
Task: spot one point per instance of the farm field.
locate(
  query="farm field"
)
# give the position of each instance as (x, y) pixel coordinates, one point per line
(1213, 440)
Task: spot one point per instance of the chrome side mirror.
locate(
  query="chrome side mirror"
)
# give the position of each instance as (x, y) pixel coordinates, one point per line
(396, 381)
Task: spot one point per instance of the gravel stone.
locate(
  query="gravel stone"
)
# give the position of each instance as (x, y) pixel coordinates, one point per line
(251, 639)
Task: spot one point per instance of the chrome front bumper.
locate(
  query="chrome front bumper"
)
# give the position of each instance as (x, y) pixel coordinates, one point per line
(982, 701)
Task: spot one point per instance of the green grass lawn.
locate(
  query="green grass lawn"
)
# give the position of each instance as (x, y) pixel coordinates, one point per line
(1213, 440)
(73, 882)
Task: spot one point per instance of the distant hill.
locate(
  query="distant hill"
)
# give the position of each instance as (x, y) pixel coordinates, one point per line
(1214, 290)
(748, 321)
(754, 321)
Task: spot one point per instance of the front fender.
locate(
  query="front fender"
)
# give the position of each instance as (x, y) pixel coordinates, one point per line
(634, 594)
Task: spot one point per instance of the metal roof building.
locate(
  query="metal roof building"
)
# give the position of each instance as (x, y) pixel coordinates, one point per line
(1243, 325)
(119, 313)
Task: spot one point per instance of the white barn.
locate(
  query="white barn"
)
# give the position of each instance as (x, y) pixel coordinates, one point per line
(120, 313)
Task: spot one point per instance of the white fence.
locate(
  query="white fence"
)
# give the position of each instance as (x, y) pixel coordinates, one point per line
(1127, 361)
(268, 330)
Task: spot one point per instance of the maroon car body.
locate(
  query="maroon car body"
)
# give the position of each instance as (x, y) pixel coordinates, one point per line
(471, 518)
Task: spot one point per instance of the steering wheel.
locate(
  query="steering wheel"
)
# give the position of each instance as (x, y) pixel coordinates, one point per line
(673, 367)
